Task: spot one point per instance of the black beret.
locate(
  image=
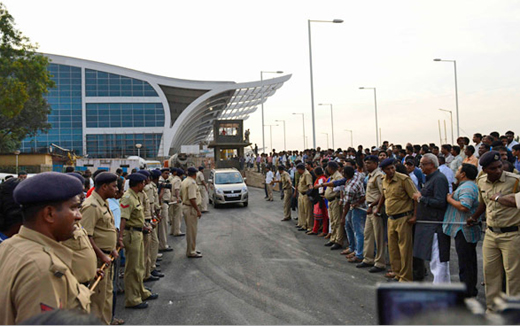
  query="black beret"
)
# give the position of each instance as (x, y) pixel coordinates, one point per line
(156, 174)
(106, 177)
(201, 168)
(172, 170)
(192, 170)
(145, 173)
(180, 172)
(137, 177)
(165, 169)
(97, 172)
(489, 158)
(372, 158)
(22, 173)
(300, 166)
(47, 187)
(281, 167)
(333, 165)
(78, 176)
(386, 162)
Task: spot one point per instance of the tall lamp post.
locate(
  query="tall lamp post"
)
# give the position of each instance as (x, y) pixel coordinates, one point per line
(351, 138)
(375, 104)
(271, 133)
(284, 138)
(139, 149)
(262, 79)
(451, 119)
(327, 138)
(17, 152)
(456, 92)
(303, 117)
(335, 21)
(331, 121)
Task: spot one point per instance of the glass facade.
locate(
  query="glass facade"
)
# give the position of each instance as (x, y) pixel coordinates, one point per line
(122, 145)
(99, 83)
(66, 116)
(121, 115)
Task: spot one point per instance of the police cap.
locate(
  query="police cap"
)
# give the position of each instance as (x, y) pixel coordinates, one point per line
(47, 187)
(300, 166)
(386, 162)
(333, 165)
(77, 176)
(145, 173)
(201, 168)
(180, 172)
(281, 168)
(156, 174)
(372, 158)
(164, 170)
(104, 178)
(192, 170)
(137, 177)
(489, 158)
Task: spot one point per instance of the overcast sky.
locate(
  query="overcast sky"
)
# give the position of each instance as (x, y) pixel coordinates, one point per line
(385, 44)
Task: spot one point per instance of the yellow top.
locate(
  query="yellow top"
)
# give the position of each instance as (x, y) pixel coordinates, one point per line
(398, 193)
(98, 221)
(498, 215)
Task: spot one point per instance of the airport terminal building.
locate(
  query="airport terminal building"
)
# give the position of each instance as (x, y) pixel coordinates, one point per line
(104, 110)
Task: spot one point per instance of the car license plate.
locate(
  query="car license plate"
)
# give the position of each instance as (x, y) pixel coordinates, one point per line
(233, 195)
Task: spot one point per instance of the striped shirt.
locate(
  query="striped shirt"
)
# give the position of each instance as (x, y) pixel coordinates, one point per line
(467, 194)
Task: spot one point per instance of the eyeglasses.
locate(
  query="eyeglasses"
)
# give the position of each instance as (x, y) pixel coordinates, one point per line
(423, 164)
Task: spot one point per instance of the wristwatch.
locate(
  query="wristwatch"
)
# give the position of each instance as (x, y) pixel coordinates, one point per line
(496, 198)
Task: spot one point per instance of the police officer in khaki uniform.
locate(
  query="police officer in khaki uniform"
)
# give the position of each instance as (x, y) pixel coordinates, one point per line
(153, 196)
(131, 234)
(176, 204)
(398, 191)
(99, 224)
(502, 241)
(203, 188)
(191, 199)
(337, 235)
(304, 204)
(36, 269)
(286, 184)
(165, 197)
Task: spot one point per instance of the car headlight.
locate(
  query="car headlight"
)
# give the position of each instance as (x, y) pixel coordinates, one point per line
(244, 189)
(219, 191)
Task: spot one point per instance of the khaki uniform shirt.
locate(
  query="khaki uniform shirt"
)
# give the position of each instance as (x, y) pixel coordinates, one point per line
(286, 180)
(167, 193)
(200, 178)
(189, 190)
(330, 194)
(132, 209)
(176, 186)
(146, 204)
(36, 277)
(498, 215)
(305, 181)
(398, 193)
(84, 259)
(374, 186)
(153, 196)
(99, 222)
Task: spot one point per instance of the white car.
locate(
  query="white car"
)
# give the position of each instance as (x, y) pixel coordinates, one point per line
(226, 186)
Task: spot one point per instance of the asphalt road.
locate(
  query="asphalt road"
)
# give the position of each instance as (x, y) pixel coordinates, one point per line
(259, 270)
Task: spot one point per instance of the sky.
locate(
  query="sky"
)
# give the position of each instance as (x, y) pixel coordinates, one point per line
(389, 45)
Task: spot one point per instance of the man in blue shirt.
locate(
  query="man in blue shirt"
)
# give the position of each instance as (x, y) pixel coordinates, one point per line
(516, 154)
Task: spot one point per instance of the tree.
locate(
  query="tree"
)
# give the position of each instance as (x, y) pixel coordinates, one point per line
(24, 80)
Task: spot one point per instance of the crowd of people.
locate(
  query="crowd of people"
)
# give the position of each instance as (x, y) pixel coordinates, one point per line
(64, 236)
(398, 207)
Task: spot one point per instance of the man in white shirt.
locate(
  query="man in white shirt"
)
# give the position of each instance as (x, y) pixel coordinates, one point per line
(457, 159)
(511, 140)
(269, 177)
(477, 139)
(446, 151)
(443, 167)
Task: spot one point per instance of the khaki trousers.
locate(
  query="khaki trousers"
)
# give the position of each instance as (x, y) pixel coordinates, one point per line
(287, 197)
(337, 230)
(175, 219)
(400, 248)
(162, 228)
(147, 243)
(374, 234)
(191, 220)
(204, 197)
(135, 292)
(154, 248)
(303, 211)
(269, 191)
(501, 251)
(101, 299)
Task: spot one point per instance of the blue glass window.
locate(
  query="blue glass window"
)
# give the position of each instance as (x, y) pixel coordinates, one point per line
(123, 145)
(100, 83)
(116, 115)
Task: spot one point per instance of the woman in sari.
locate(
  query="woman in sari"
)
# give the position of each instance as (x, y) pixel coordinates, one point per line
(321, 215)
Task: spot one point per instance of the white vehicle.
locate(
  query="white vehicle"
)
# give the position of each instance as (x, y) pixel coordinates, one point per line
(226, 186)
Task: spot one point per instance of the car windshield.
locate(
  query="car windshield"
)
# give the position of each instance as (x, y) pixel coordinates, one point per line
(228, 178)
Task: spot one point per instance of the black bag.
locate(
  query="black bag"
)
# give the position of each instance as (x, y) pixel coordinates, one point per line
(314, 196)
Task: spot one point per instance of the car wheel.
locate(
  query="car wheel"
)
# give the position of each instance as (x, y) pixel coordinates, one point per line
(215, 205)
(245, 204)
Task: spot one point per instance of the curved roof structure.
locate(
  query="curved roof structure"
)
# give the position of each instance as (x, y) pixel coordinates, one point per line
(189, 106)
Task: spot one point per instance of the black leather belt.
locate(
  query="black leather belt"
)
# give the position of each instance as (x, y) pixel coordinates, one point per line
(131, 228)
(106, 252)
(85, 284)
(395, 217)
(166, 202)
(148, 220)
(504, 230)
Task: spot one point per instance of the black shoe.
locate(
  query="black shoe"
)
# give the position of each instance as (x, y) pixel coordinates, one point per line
(157, 274)
(376, 269)
(152, 297)
(329, 244)
(142, 305)
(166, 249)
(151, 279)
(158, 259)
(297, 226)
(302, 229)
(148, 289)
(157, 265)
(360, 265)
(157, 269)
(180, 234)
(336, 247)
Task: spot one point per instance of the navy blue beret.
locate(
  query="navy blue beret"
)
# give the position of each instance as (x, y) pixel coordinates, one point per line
(156, 174)
(137, 177)
(145, 173)
(300, 166)
(333, 165)
(165, 169)
(174, 170)
(281, 167)
(47, 187)
(192, 170)
(372, 158)
(201, 168)
(386, 162)
(104, 178)
(180, 172)
(489, 158)
(77, 176)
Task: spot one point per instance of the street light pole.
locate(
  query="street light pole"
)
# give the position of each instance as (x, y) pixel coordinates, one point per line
(284, 138)
(375, 105)
(335, 21)
(17, 152)
(138, 149)
(271, 133)
(456, 93)
(331, 122)
(262, 79)
(351, 138)
(303, 118)
(451, 119)
(327, 138)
